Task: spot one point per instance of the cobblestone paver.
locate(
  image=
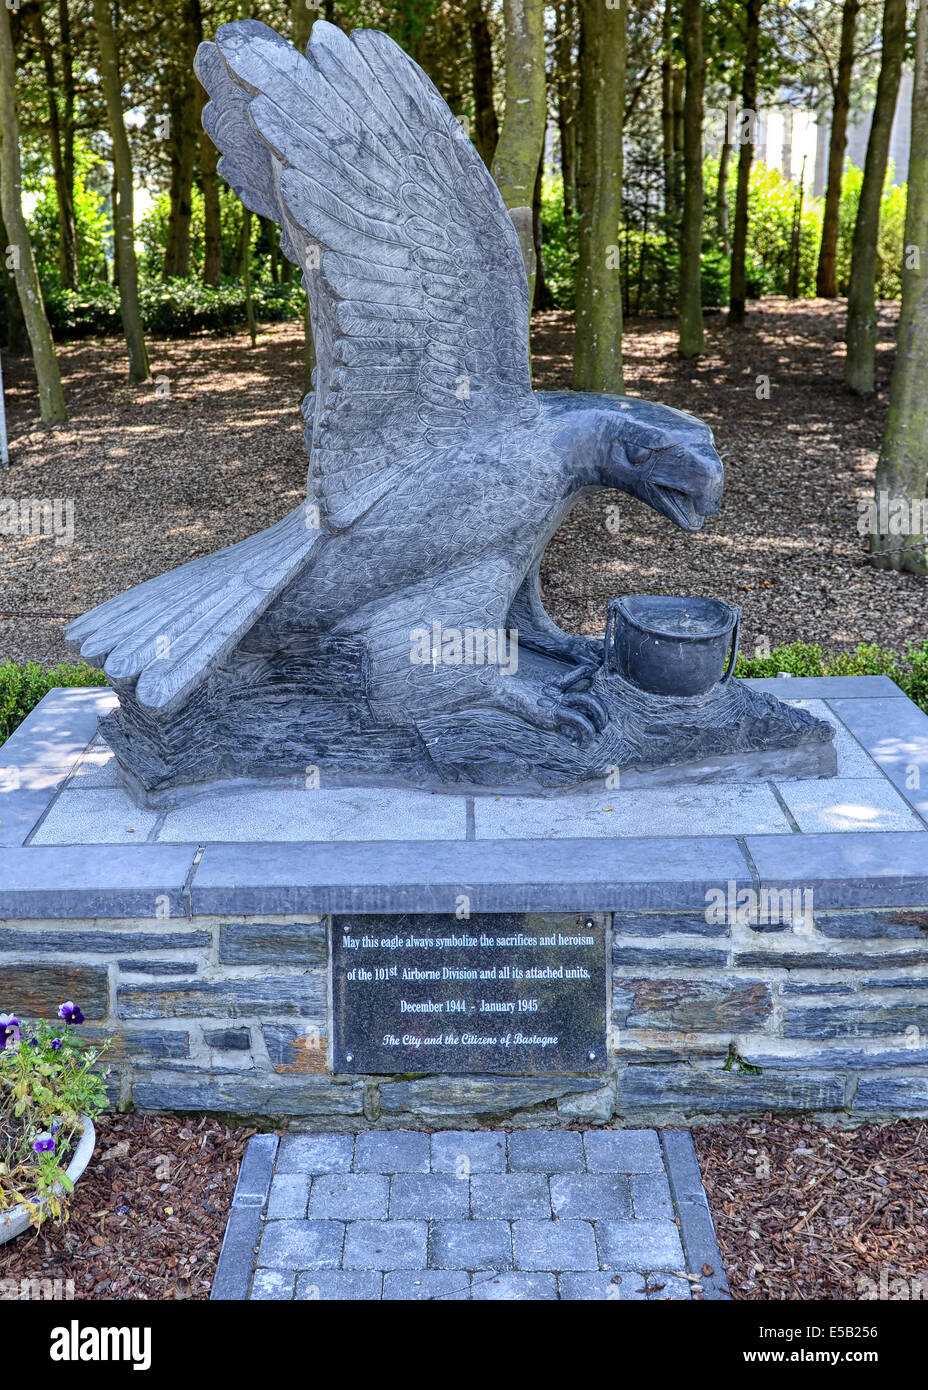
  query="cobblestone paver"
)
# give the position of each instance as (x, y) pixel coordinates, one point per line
(534, 1214)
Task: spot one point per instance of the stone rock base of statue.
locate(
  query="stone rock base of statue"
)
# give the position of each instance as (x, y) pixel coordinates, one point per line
(284, 717)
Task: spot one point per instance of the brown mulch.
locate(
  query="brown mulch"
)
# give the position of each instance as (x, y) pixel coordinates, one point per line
(806, 1211)
(159, 479)
(147, 1217)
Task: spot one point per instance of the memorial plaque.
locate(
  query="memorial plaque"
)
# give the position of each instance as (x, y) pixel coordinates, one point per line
(499, 992)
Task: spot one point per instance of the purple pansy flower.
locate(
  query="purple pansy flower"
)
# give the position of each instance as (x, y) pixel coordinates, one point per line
(44, 1144)
(57, 1044)
(9, 1031)
(70, 1012)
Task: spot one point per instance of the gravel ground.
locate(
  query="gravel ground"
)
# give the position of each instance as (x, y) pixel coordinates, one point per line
(806, 1211)
(158, 479)
(147, 1217)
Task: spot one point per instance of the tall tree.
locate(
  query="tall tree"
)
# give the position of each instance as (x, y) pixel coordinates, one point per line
(519, 148)
(543, 297)
(12, 324)
(184, 106)
(691, 326)
(565, 84)
(667, 127)
(902, 470)
(598, 342)
(486, 127)
(19, 247)
(212, 221)
(737, 303)
(826, 279)
(123, 210)
(860, 362)
(64, 179)
(721, 188)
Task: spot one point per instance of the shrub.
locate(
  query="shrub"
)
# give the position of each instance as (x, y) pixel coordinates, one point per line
(890, 237)
(171, 309)
(910, 672)
(91, 215)
(558, 244)
(48, 1082)
(22, 687)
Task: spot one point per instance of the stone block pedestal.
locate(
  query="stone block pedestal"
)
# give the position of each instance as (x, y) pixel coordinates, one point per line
(766, 945)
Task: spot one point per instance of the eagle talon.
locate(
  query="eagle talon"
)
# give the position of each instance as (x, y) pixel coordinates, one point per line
(580, 718)
(578, 675)
(596, 710)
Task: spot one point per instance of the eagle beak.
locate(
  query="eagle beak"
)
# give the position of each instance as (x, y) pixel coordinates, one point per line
(685, 484)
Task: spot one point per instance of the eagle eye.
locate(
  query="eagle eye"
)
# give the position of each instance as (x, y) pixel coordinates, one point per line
(637, 455)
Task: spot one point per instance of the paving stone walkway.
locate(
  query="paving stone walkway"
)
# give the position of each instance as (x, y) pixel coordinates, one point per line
(463, 1214)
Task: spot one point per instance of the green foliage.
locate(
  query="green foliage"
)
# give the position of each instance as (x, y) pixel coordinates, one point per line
(650, 258)
(48, 1082)
(172, 309)
(91, 214)
(559, 244)
(910, 672)
(22, 687)
(772, 202)
(890, 239)
(772, 205)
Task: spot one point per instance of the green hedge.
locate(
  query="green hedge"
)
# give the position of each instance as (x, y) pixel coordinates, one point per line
(22, 687)
(173, 309)
(910, 672)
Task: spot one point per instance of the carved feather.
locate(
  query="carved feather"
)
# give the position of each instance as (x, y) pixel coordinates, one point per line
(420, 273)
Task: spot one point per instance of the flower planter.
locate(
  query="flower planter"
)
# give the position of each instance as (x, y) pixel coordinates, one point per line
(16, 1220)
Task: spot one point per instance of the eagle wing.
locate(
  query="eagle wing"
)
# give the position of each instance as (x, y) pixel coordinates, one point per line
(163, 634)
(410, 259)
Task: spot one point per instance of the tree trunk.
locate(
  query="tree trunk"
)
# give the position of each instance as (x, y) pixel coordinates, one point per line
(486, 127)
(667, 111)
(691, 327)
(826, 280)
(902, 471)
(521, 139)
(114, 201)
(212, 222)
(64, 194)
(12, 316)
(677, 85)
(69, 88)
(721, 198)
(123, 213)
(246, 276)
(19, 247)
(565, 84)
(859, 366)
(598, 344)
(721, 190)
(543, 299)
(302, 20)
(209, 182)
(795, 241)
(184, 106)
(737, 302)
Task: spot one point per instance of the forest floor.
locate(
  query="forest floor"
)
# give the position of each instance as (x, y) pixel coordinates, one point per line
(146, 1219)
(212, 451)
(808, 1211)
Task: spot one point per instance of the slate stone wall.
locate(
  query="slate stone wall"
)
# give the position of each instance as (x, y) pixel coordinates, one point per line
(827, 1014)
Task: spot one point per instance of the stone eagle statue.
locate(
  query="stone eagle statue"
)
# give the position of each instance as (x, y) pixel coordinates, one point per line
(437, 475)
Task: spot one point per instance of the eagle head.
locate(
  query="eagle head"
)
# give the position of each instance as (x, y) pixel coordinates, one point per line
(662, 456)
